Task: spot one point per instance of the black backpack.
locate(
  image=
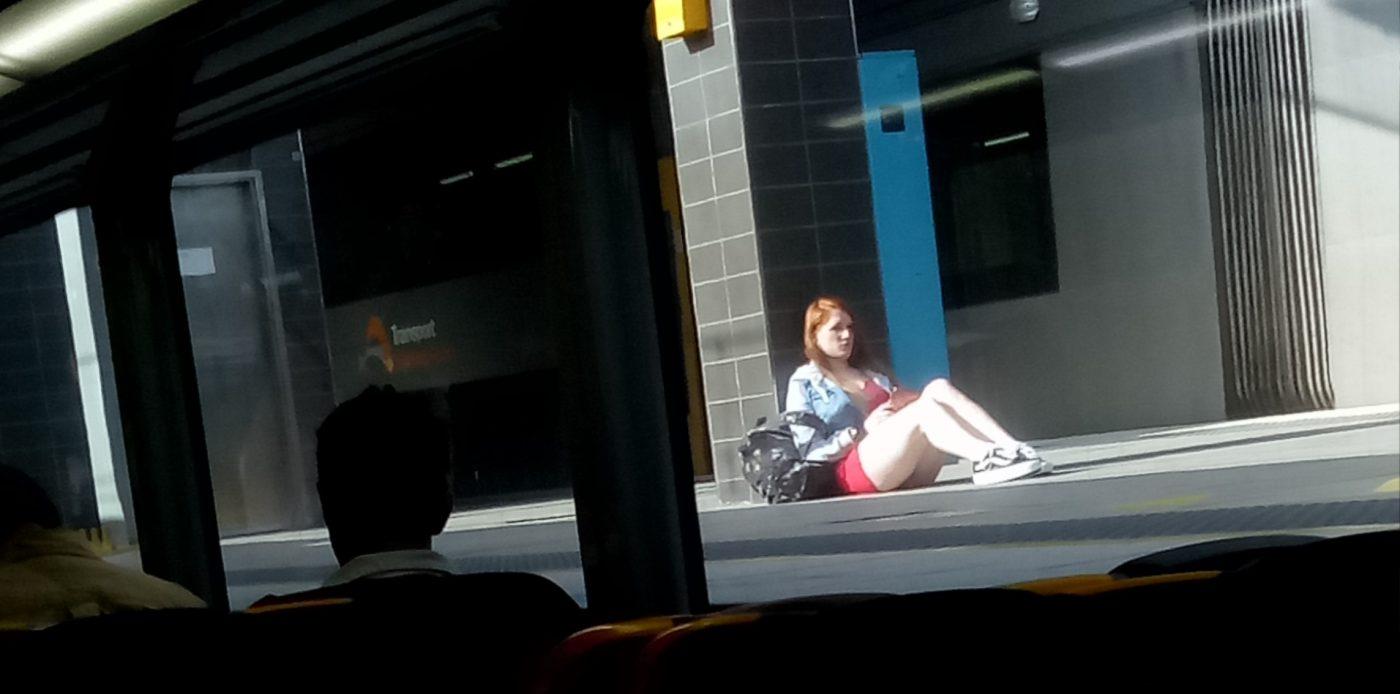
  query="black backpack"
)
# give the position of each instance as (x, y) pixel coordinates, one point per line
(777, 470)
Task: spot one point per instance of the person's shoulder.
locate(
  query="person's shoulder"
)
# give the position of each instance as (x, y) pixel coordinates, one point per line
(115, 587)
(143, 591)
(168, 595)
(806, 372)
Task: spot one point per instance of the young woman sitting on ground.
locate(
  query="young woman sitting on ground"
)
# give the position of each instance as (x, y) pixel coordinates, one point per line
(886, 437)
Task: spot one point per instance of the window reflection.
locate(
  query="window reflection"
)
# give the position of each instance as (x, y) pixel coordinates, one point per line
(398, 242)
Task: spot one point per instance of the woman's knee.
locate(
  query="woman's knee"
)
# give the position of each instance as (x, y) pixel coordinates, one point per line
(926, 470)
(889, 454)
(885, 479)
(941, 390)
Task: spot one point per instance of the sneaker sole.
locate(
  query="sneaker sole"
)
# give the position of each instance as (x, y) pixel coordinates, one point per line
(1014, 471)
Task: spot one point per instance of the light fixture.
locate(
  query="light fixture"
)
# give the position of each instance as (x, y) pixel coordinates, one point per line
(515, 160)
(1025, 11)
(459, 177)
(1007, 139)
(40, 36)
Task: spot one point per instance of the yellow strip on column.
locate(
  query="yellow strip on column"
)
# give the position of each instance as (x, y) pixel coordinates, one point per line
(1390, 487)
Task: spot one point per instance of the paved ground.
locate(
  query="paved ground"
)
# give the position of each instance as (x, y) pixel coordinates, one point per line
(1113, 497)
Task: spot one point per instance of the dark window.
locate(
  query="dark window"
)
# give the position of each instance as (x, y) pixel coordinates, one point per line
(991, 187)
(413, 189)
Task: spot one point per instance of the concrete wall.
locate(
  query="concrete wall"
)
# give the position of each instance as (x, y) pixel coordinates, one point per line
(1356, 70)
(1132, 338)
(966, 36)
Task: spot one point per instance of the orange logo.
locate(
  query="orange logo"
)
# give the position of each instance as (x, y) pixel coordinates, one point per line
(380, 346)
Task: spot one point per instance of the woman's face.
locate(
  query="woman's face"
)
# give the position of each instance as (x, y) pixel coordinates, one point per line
(836, 337)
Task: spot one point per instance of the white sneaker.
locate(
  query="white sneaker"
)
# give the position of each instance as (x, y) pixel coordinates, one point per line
(1026, 452)
(1003, 465)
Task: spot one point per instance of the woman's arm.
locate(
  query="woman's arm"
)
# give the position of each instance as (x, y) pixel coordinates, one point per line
(815, 447)
(797, 396)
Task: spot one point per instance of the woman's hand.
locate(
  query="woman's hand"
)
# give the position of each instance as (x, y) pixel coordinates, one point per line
(878, 416)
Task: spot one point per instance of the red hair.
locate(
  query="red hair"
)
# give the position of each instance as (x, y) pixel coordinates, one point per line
(818, 313)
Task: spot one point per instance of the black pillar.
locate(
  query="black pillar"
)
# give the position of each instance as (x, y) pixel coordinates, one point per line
(152, 357)
(638, 528)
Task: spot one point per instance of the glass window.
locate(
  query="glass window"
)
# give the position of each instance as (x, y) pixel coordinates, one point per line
(58, 416)
(991, 187)
(1135, 268)
(396, 241)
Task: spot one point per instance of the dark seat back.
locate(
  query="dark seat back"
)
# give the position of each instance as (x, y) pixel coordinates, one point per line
(498, 627)
(492, 631)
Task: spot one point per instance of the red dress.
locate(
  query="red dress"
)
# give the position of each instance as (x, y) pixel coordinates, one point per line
(850, 476)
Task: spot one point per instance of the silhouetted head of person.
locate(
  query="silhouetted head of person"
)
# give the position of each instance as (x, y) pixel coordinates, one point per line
(24, 502)
(384, 474)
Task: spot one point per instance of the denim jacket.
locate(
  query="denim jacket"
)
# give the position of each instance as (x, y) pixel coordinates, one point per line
(811, 390)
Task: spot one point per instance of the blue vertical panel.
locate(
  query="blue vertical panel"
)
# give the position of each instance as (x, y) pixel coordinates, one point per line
(899, 177)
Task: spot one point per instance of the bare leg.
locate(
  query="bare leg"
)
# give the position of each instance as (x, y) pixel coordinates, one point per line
(976, 418)
(926, 470)
(891, 453)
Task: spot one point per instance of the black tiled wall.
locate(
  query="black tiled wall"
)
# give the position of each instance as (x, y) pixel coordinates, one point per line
(810, 179)
(41, 417)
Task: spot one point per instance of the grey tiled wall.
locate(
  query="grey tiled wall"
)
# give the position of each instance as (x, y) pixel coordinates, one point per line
(713, 169)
